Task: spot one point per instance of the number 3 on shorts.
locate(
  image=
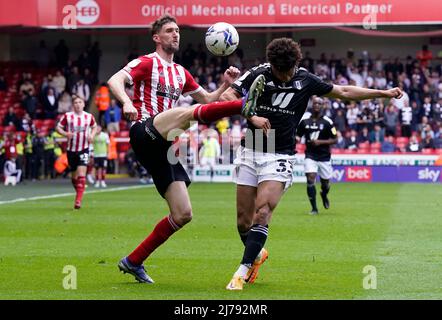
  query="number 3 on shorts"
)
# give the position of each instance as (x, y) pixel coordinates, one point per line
(282, 166)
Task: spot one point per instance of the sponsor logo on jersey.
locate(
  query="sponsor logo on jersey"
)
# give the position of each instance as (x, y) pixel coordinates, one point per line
(361, 174)
(298, 85)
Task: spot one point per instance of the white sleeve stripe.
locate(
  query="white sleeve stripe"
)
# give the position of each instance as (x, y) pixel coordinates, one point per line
(192, 92)
(328, 120)
(131, 81)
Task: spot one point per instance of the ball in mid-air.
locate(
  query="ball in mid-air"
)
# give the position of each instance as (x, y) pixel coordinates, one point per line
(222, 39)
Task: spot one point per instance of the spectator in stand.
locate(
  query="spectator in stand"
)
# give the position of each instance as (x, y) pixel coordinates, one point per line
(11, 119)
(438, 139)
(50, 104)
(340, 144)
(427, 130)
(363, 135)
(352, 115)
(365, 119)
(65, 103)
(112, 117)
(340, 120)
(380, 82)
(61, 54)
(26, 123)
(428, 142)
(73, 78)
(102, 100)
(437, 111)
(3, 83)
(43, 55)
(406, 116)
(352, 141)
(30, 104)
(424, 56)
(377, 134)
(427, 107)
(82, 90)
(59, 83)
(89, 78)
(223, 125)
(388, 145)
(416, 116)
(27, 88)
(413, 145)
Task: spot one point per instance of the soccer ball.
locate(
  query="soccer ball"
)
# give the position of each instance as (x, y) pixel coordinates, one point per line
(222, 39)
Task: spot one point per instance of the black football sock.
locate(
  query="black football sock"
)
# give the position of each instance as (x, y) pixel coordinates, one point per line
(255, 242)
(311, 192)
(243, 236)
(325, 187)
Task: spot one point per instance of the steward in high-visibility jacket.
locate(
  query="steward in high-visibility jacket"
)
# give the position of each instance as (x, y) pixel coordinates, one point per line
(102, 100)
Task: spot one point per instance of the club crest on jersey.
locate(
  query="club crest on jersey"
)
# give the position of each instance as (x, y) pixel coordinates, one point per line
(179, 79)
(321, 126)
(298, 85)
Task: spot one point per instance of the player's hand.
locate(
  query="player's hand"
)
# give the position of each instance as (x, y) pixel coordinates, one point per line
(314, 143)
(394, 93)
(231, 75)
(69, 135)
(129, 111)
(261, 123)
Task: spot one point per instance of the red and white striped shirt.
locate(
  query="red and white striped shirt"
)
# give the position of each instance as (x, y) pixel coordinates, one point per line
(80, 125)
(158, 84)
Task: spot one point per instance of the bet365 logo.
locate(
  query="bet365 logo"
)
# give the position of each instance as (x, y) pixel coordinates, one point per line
(84, 12)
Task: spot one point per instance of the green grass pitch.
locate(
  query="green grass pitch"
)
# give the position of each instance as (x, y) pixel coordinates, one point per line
(394, 227)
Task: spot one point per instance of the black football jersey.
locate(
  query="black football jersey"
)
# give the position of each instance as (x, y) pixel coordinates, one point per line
(321, 129)
(282, 103)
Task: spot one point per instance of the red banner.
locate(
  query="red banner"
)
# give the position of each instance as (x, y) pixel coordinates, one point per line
(140, 13)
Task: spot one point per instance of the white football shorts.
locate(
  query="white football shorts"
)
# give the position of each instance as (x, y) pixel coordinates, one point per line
(252, 167)
(323, 168)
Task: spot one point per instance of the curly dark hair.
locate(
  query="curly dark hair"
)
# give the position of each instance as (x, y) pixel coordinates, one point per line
(160, 22)
(283, 54)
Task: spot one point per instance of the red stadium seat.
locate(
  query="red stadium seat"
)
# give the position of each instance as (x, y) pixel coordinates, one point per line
(428, 151)
(349, 151)
(364, 145)
(363, 150)
(402, 140)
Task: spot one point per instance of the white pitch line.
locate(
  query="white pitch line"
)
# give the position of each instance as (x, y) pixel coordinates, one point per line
(71, 194)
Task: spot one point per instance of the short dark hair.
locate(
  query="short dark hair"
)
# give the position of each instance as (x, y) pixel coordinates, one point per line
(283, 54)
(160, 22)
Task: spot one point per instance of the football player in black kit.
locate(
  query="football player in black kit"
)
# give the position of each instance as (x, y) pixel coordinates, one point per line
(320, 134)
(264, 167)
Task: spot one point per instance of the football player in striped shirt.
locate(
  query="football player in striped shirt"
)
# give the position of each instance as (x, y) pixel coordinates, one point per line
(79, 127)
(158, 83)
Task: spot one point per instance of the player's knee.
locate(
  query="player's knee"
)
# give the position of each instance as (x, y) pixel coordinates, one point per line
(263, 214)
(183, 216)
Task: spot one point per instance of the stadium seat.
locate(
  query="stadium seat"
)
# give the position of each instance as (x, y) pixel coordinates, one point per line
(364, 145)
(402, 140)
(123, 146)
(363, 150)
(428, 151)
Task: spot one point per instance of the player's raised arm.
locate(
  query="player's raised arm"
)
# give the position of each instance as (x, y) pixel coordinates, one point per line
(358, 93)
(117, 85)
(230, 77)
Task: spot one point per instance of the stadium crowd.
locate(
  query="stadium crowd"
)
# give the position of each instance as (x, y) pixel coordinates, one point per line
(34, 95)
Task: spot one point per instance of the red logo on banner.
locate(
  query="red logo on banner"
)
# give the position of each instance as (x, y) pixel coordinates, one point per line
(362, 174)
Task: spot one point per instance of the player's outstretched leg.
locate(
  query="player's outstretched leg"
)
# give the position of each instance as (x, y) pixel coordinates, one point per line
(181, 118)
(325, 188)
